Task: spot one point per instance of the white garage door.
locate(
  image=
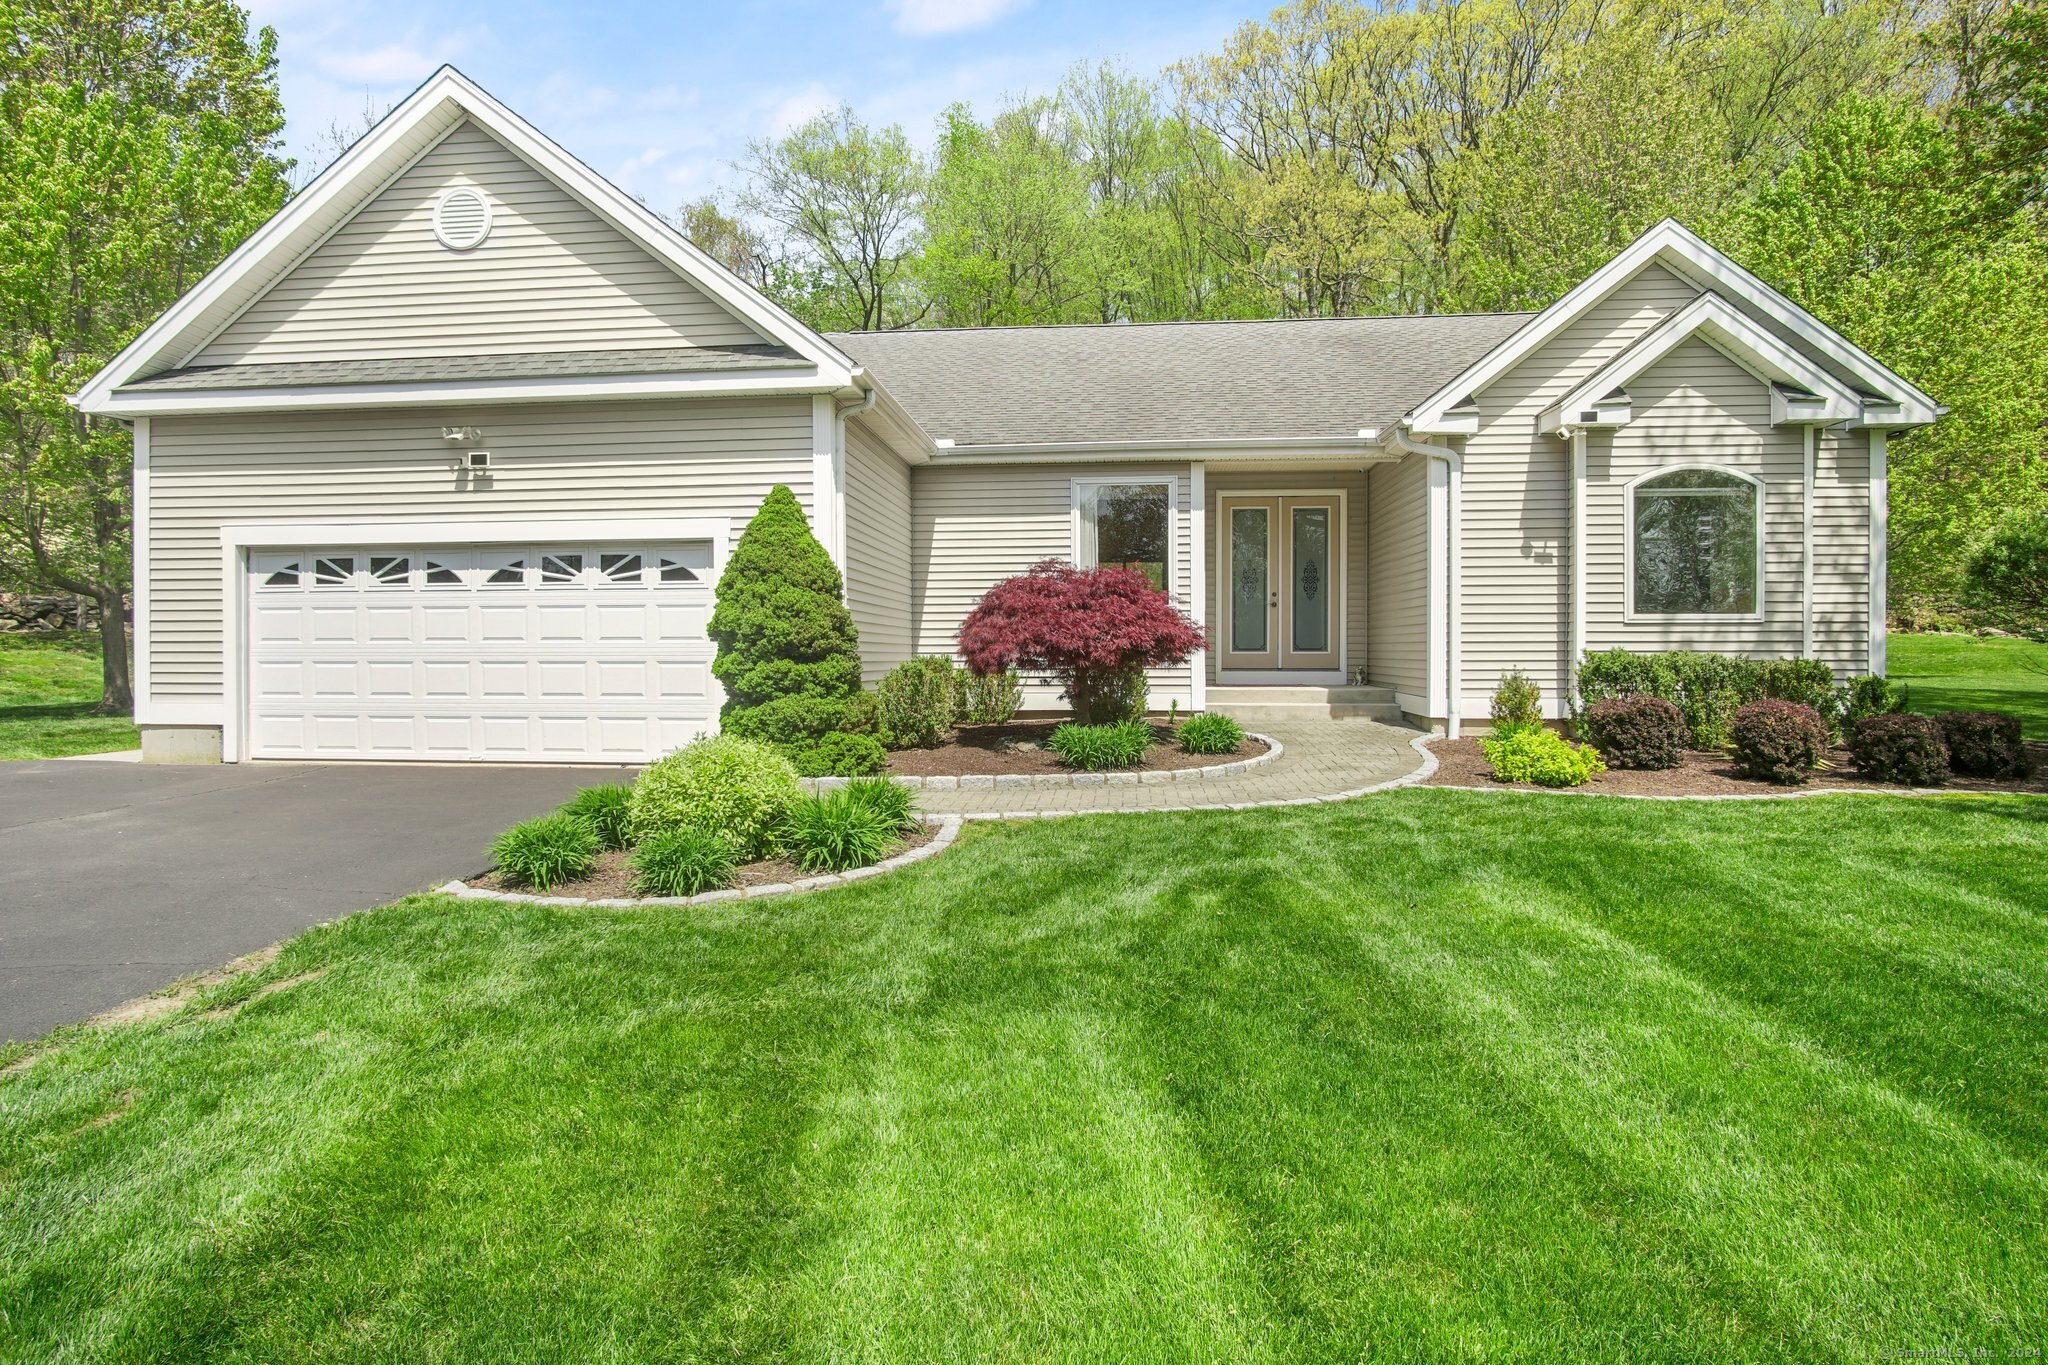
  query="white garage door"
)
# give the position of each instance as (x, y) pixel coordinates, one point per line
(549, 653)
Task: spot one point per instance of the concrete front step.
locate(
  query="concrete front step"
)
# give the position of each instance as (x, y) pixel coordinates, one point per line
(1292, 692)
(1280, 704)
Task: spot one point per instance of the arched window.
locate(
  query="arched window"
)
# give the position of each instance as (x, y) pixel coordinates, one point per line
(1697, 540)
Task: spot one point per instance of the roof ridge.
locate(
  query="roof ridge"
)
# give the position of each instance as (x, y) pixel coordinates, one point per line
(1178, 322)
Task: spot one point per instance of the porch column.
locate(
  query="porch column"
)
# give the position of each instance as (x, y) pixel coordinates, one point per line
(1198, 577)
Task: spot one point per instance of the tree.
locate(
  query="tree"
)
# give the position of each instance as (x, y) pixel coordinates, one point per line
(2005, 109)
(138, 145)
(727, 240)
(788, 653)
(847, 198)
(2008, 574)
(1096, 630)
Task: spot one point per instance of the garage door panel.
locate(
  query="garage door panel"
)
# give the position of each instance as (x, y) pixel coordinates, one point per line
(474, 653)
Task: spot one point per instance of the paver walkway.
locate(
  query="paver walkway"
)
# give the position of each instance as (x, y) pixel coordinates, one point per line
(1321, 761)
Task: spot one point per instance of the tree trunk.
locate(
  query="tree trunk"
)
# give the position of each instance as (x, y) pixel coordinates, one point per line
(117, 694)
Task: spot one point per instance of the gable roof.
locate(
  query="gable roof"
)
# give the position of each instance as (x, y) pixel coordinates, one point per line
(1185, 383)
(1889, 399)
(402, 137)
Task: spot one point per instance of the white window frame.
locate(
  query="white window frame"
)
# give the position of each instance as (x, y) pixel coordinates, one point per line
(1628, 521)
(1081, 488)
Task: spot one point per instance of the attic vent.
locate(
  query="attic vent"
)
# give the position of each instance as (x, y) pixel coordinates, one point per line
(462, 219)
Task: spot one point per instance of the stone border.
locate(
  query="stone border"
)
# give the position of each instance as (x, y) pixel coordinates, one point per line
(948, 831)
(1017, 781)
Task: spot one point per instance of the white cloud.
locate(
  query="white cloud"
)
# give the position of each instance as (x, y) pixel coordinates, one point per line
(391, 64)
(798, 109)
(923, 18)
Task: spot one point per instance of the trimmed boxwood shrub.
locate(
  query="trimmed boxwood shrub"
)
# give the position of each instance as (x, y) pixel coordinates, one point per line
(788, 653)
(682, 862)
(1707, 689)
(1210, 733)
(1900, 748)
(1636, 732)
(1517, 703)
(546, 851)
(917, 701)
(1778, 741)
(990, 698)
(838, 755)
(606, 810)
(1985, 744)
(1541, 756)
(1095, 747)
(726, 786)
(834, 831)
(1870, 695)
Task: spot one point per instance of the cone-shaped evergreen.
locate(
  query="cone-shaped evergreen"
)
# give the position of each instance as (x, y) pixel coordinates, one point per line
(788, 654)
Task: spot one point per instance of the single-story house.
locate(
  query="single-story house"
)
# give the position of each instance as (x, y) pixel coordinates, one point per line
(445, 460)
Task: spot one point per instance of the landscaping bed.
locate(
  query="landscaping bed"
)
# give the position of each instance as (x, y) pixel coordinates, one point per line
(613, 876)
(1019, 747)
(1707, 773)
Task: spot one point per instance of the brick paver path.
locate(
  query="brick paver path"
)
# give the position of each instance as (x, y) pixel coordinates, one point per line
(1321, 761)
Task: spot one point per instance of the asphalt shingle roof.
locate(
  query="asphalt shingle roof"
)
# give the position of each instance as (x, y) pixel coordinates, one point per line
(432, 369)
(1178, 381)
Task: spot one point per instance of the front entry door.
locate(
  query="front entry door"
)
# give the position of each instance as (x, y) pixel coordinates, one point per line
(1283, 567)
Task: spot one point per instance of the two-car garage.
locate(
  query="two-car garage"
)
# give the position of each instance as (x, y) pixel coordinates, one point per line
(592, 652)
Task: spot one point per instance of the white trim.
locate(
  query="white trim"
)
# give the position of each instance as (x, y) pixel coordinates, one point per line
(1198, 578)
(1436, 541)
(1170, 482)
(1670, 243)
(138, 682)
(1880, 548)
(1810, 465)
(1281, 677)
(439, 104)
(1630, 615)
(828, 484)
(1575, 643)
(238, 538)
(195, 402)
(1340, 627)
(1360, 447)
(184, 713)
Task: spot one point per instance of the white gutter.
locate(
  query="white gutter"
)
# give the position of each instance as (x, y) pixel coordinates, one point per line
(1363, 447)
(840, 412)
(1398, 440)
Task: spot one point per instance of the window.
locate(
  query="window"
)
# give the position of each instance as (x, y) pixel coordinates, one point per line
(675, 571)
(285, 577)
(334, 571)
(620, 568)
(1127, 526)
(561, 568)
(439, 575)
(509, 574)
(390, 569)
(1697, 537)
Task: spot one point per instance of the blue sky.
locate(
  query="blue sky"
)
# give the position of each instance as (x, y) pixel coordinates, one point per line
(663, 97)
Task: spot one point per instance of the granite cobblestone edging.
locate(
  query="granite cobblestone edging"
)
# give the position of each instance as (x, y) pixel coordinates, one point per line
(1019, 781)
(948, 830)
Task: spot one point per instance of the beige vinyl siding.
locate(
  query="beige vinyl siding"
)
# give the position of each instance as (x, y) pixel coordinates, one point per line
(1696, 406)
(973, 526)
(1516, 496)
(1350, 482)
(708, 459)
(1841, 553)
(878, 552)
(552, 276)
(1397, 568)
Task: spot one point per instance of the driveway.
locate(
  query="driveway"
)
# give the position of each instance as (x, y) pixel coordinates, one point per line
(121, 878)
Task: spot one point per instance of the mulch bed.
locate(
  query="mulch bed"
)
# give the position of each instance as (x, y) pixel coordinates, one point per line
(1460, 764)
(613, 875)
(995, 750)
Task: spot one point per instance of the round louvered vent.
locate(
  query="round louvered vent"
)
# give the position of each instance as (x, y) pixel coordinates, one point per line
(462, 219)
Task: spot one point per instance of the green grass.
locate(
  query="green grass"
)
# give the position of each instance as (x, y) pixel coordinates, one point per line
(1432, 1075)
(1964, 673)
(49, 685)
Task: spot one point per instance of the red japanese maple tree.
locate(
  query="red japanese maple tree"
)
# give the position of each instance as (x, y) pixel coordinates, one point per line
(1093, 629)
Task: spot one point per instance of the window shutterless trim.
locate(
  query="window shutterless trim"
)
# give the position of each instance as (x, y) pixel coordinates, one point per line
(1629, 614)
(1078, 488)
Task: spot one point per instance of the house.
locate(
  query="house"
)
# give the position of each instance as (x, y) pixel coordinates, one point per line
(444, 461)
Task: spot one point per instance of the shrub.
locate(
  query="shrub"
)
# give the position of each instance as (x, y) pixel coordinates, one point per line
(1809, 682)
(730, 787)
(1095, 747)
(1540, 756)
(547, 850)
(788, 654)
(1095, 630)
(2007, 577)
(837, 830)
(1778, 741)
(1517, 703)
(1867, 696)
(1210, 734)
(892, 801)
(1985, 744)
(604, 809)
(1707, 689)
(1900, 748)
(1122, 697)
(917, 700)
(838, 755)
(682, 862)
(1636, 732)
(989, 698)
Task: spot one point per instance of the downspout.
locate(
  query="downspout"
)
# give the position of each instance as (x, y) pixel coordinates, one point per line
(840, 412)
(1398, 439)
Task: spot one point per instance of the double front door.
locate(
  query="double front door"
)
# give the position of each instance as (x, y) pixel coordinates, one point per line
(1283, 571)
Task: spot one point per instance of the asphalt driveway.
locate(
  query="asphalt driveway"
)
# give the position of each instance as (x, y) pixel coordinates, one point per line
(117, 878)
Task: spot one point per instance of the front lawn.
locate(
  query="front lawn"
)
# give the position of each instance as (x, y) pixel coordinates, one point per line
(1424, 1076)
(1965, 673)
(49, 685)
